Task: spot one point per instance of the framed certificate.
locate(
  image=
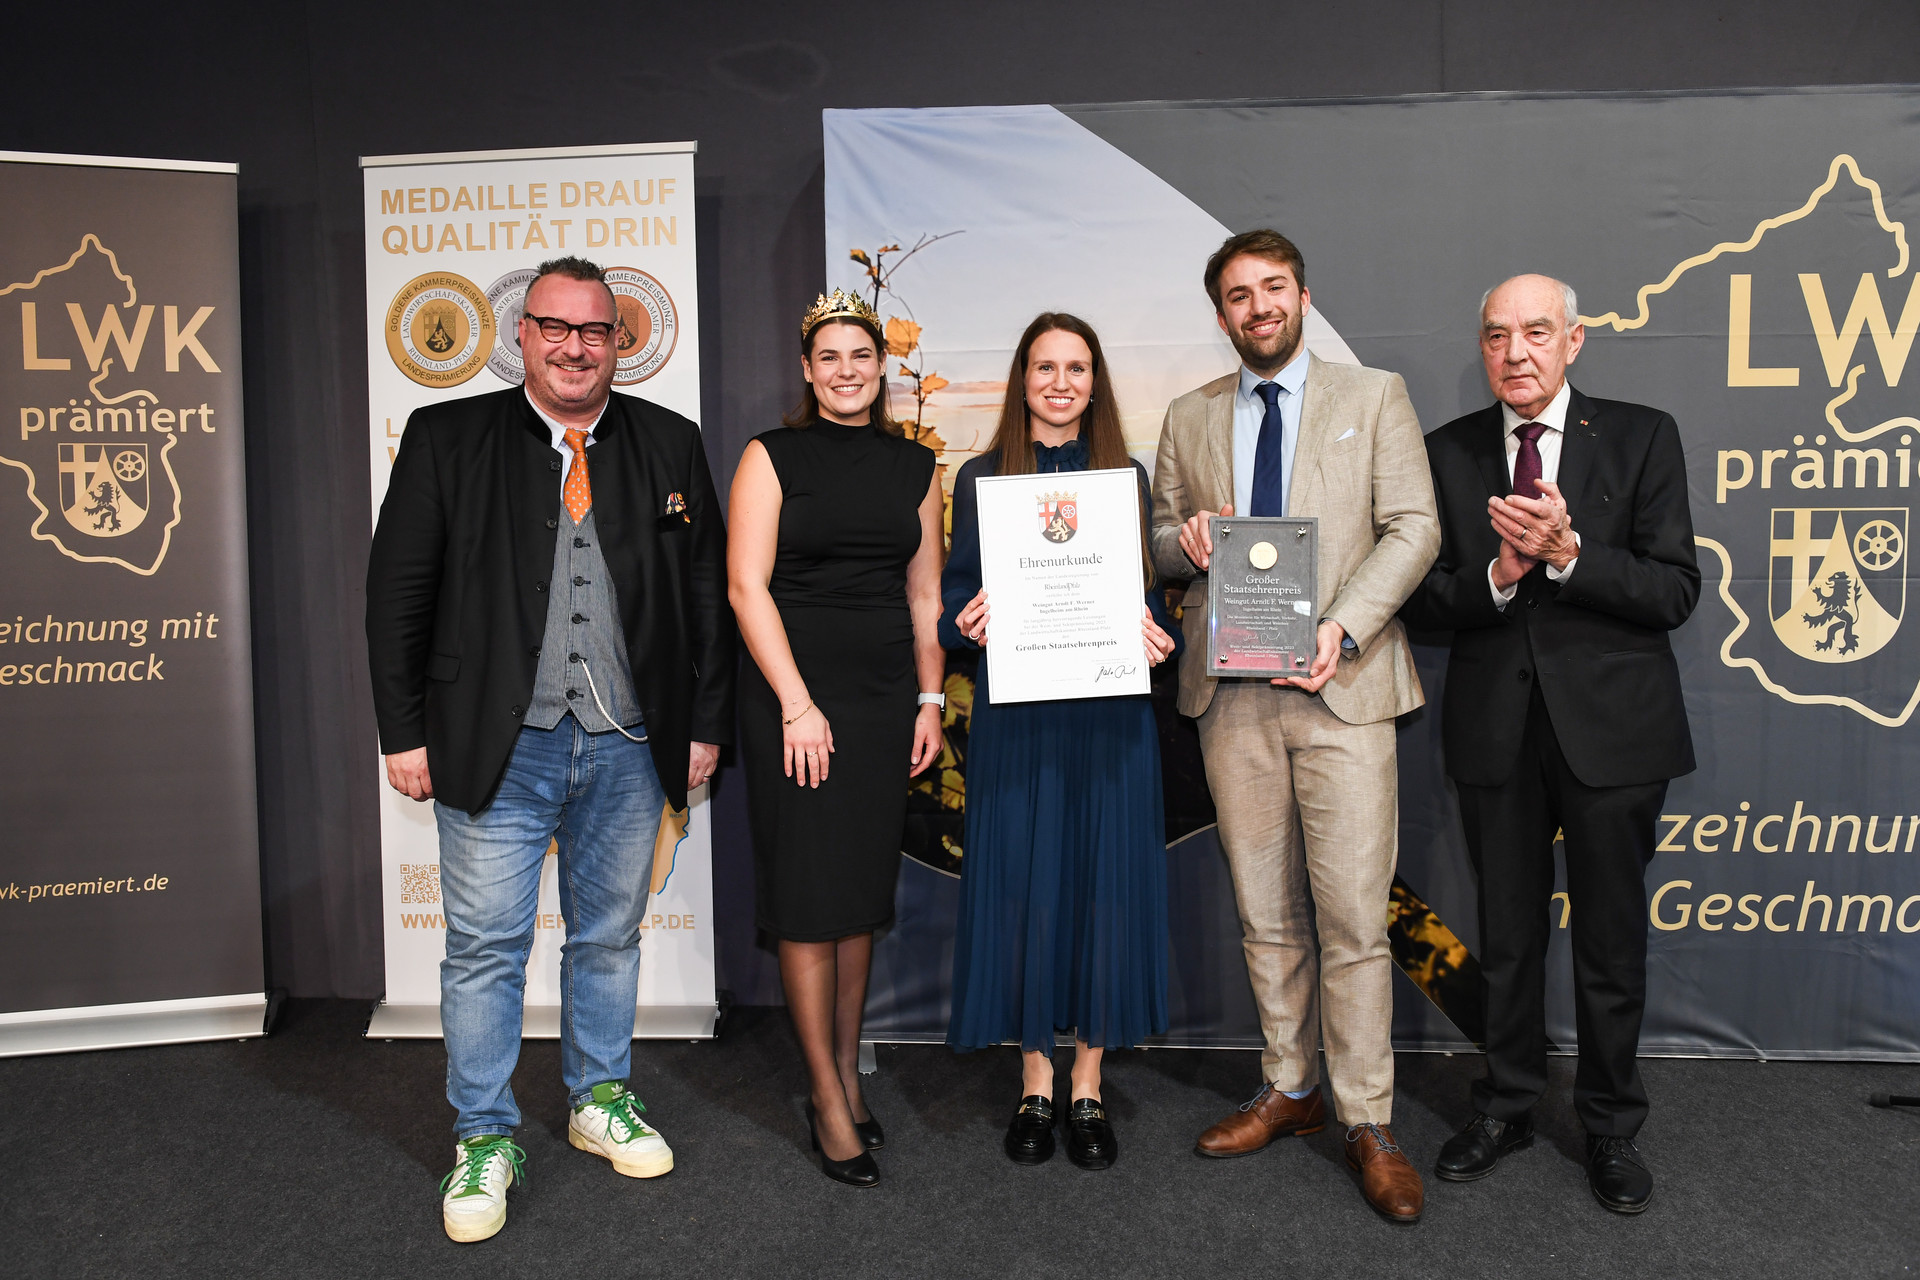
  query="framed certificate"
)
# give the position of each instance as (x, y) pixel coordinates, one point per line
(1060, 559)
(1260, 596)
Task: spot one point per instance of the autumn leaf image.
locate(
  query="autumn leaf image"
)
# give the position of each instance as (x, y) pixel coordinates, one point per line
(903, 332)
(903, 336)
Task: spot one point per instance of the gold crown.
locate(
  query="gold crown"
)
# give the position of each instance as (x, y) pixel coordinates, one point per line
(839, 305)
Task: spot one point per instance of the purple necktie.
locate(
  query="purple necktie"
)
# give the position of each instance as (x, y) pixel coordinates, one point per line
(1526, 465)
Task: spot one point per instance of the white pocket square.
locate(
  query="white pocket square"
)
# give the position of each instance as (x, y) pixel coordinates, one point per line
(1337, 439)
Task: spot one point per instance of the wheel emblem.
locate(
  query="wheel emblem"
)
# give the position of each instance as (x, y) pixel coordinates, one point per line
(1878, 545)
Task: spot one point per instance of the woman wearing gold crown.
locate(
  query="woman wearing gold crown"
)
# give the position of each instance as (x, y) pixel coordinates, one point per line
(1063, 896)
(833, 566)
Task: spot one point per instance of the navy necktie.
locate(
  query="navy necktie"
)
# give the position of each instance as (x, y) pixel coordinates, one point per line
(1269, 496)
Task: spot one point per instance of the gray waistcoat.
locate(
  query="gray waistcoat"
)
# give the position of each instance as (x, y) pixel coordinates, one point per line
(583, 622)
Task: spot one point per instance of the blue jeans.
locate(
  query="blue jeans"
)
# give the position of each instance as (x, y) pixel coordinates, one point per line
(598, 795)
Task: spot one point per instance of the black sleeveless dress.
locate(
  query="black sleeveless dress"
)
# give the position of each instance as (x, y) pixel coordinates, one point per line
(826, 859)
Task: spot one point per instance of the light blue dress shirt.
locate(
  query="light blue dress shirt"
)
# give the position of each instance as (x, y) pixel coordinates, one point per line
(1249, 410)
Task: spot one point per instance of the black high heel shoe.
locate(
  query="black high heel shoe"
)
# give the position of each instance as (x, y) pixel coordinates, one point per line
(870, 1132)
(860, 1171)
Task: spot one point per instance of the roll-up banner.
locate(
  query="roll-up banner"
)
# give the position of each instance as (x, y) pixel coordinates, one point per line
(1744, 260)
(452, 241)
(129, 847)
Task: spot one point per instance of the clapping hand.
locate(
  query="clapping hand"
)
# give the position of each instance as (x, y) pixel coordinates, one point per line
(1509, 566)
(1536, 528)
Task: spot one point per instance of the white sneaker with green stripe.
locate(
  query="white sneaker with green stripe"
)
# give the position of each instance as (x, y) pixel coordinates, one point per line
(474, 1203)
(609, 1124)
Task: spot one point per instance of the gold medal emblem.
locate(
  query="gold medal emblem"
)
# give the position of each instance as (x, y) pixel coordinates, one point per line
(440, 329)
(1263, 555)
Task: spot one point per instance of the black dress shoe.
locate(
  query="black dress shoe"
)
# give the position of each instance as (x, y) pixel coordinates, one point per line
(1030, 1135)
(860, 1171)
(1472, 1153)
(870, 1132)
(1090, 1141)
(1619, 1177)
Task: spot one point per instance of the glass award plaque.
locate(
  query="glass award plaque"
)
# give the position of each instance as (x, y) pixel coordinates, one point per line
(1260, 596)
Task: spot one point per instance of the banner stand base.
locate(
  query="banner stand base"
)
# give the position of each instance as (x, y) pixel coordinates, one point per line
(542, 1022)
(128, 1026)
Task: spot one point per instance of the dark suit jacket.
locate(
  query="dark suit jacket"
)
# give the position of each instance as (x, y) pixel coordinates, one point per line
(1597, 644)
(456, 587)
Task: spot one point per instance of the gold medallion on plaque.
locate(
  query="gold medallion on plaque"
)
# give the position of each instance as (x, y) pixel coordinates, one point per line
(649, 326)
(440, 329)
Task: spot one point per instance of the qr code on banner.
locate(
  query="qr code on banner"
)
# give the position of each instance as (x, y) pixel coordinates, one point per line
(420, 883)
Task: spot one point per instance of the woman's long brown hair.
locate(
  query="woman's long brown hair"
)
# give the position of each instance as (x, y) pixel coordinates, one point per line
(807, 412)
(1100, 428)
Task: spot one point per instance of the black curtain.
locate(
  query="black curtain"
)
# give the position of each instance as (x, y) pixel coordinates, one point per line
(295, 93)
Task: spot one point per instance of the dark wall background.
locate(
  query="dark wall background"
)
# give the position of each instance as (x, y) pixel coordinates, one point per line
(295, 93)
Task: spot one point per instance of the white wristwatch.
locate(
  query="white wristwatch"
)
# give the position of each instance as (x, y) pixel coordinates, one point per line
(934, 699)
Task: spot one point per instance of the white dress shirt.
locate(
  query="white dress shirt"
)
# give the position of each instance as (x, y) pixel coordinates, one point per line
(1554, 418)
(566, 450)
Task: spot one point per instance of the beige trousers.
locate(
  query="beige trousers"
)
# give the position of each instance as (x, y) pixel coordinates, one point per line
(1309, 809)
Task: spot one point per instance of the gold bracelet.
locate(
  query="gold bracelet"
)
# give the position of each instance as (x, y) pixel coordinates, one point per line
(802, 712)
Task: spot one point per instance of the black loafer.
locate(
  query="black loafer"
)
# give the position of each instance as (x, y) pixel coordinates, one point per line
(1090, 1141)
(1619, 1177)
(1472, 1153)
(1030, 1135)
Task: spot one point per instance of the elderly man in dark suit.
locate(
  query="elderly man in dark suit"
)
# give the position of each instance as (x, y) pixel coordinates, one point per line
(553, 658)
(1566, 557)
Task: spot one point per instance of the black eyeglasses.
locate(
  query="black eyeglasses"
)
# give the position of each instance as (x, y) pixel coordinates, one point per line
(594, 332)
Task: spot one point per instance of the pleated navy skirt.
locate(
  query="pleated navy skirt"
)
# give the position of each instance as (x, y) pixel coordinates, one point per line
(1063, 895)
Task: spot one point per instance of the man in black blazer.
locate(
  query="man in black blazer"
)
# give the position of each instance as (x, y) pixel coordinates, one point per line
(1566, 557)
(553, 659)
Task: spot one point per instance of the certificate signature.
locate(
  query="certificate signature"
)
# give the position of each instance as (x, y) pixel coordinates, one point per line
(1115, 671)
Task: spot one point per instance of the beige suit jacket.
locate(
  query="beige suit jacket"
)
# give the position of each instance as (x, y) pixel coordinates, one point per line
(1360, 467)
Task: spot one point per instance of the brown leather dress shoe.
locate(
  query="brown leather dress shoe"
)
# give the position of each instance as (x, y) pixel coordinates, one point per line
(1387, 1178)
(1271, 1114)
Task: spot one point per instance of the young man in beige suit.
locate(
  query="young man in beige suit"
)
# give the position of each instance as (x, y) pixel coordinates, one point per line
(1302, 769)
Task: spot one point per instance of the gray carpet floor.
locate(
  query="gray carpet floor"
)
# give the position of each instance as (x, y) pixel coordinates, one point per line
(314, 1152)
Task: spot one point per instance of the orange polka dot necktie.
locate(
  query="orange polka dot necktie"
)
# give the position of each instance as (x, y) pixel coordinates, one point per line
(578, 492)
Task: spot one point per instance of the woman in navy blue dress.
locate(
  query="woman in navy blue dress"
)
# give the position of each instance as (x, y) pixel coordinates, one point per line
(1063, 896)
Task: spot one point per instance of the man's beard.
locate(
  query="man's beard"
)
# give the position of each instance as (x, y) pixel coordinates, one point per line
(1274, 352)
